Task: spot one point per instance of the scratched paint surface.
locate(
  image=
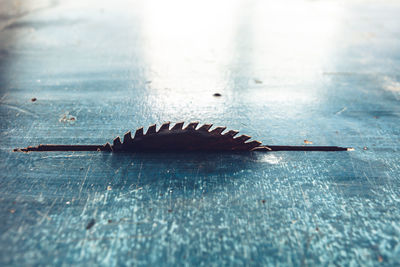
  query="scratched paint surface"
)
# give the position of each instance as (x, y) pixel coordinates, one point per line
(327, 72)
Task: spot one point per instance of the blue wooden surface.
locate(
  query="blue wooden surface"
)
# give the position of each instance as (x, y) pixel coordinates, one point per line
(323, 71)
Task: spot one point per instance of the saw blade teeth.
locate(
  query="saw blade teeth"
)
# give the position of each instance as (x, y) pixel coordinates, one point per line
(243, 138)
(164, 127)
(128, 138)
(139, 133)
(151, 130)
(231, 133)
(191, 126)
(107, 147)
(177, 126)
(117, 141)
(253, 144)
(205, 128)
(218, 130)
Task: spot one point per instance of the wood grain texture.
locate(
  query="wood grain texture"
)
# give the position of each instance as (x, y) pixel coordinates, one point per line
(325, 72)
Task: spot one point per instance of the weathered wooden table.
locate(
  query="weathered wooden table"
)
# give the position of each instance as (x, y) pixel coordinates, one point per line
(323, 71)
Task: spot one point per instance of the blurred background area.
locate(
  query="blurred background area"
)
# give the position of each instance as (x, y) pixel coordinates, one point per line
(165, 60)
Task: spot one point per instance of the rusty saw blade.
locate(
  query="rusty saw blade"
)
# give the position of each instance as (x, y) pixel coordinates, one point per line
(179, 139)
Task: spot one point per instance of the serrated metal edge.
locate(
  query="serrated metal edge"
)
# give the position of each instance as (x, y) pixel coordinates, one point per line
(177, 126)
(243, 138)
(127, 138)
(205, 128)
(253, 144)
(117, 141)
(164, 127)
(152, 129)
(139, 133)
(218, 130)
(191, 126)
(231, 133)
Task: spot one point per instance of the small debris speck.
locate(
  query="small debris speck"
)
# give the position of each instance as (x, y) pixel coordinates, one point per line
(67, 118)
(263, 201)
(109, 221)
(316, 228)
(365, 148)
(67, 202)
(258, 81)
(380, 259)
(109, 188)
(33, 99)
(90, 224)
(307, 142)
(217, 94)
(170, 210)
(12, 210)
